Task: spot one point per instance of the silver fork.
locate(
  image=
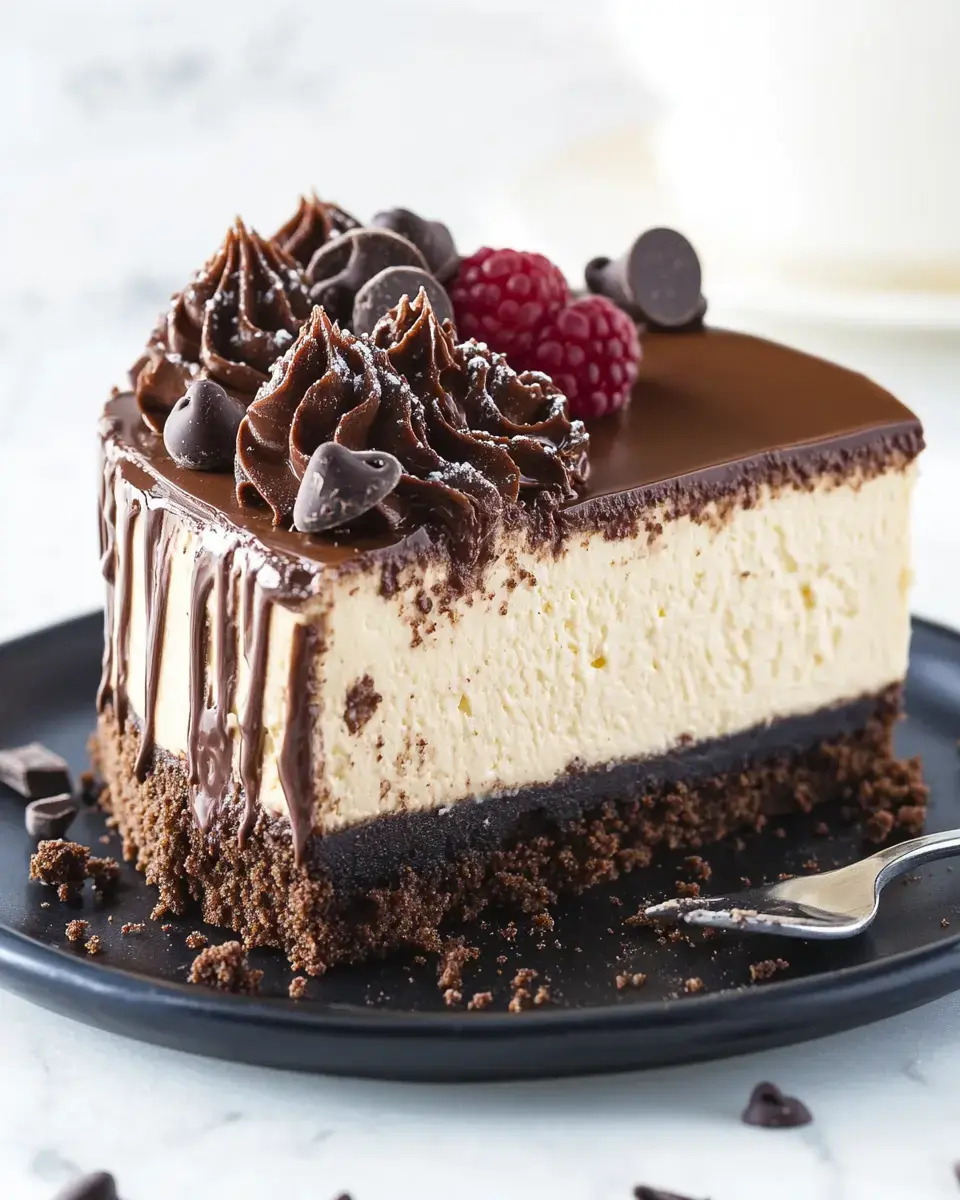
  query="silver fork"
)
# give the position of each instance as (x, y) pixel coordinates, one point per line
(835, 904)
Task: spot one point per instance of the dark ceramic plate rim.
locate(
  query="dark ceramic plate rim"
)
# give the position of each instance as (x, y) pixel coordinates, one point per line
(740, 1019)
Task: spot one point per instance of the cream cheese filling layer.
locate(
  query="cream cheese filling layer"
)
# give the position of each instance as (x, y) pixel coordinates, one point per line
(616, 649)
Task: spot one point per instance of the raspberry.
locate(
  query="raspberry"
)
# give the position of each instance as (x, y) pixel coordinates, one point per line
(591, 351)
(505, 297)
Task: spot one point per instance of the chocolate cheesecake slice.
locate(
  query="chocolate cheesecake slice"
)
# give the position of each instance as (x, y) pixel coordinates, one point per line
(523, 662)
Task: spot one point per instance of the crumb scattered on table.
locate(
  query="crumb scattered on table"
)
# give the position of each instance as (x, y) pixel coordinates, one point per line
(542, 995)
(62, 865)
(76, 929)
(197, 940)
(452, 997)
(693, 985)
(132, 927)
(699, 867)
(456, 954)
(766, 969)
(637, 979)
(93, 945)
(298, 987)
(480, 1000)
(225, 968)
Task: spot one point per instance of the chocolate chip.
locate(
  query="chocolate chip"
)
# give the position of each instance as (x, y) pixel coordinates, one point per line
(50, 817)
(381, 293)
(99, 1186)
(771, 1109)
(339, 269)
(201, 431)
(657, 280)
(642, 1192)
(34, 772)
(432, 238)
(340, 484)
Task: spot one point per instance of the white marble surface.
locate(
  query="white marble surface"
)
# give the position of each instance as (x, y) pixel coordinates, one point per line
(131, 134)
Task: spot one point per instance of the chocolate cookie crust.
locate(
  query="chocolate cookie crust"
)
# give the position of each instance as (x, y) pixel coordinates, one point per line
(321, 914)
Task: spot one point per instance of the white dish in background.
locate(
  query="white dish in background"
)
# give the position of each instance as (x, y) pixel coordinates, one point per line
(597, 195)
(816, 136)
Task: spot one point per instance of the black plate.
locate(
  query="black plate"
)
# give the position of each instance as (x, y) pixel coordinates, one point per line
(388, 1019)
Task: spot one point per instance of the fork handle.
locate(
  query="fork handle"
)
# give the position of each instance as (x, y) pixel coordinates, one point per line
(895, 860)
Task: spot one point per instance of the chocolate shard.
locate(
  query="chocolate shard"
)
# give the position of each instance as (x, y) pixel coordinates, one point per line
(98, 1186)
(34, 772)
(340, 268)
(201, 431)
(340, 485)
(50, 817)
(432, 238)
(657, 280)
(385, 291)
(769, 1108)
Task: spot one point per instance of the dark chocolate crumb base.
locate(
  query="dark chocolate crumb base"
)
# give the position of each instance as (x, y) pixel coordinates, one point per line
(259, 892)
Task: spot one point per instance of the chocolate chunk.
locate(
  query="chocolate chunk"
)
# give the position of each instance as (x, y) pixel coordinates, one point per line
(648, 1193)
(201, 431)
(34, 772)
(339, 269)
(771, 1109)
(432, 238)
(50, 817)
(383, 292)
(340, 484)
(99, 1186)
(657, 280)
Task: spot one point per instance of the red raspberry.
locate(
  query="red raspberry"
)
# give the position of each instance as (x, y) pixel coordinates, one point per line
(592, 353)
(504, 298)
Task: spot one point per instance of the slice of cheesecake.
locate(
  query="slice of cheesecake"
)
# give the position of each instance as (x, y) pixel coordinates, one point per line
(545, 653)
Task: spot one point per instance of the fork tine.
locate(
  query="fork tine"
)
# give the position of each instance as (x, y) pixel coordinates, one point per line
(785, 925)
(677, 910)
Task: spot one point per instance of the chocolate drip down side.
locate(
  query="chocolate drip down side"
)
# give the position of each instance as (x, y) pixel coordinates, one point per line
(124, 600)
(210, 741)
(156, 576)
(232, 596)
(256, 619)
(297, 751)
(108, 569)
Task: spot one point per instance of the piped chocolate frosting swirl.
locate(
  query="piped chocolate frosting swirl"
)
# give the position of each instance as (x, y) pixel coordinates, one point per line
(234, 319)
(475, 439)
(315, 223)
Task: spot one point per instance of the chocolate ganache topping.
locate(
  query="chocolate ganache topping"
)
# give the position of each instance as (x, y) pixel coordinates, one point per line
(234, 319)
(315, 223)
(473, 437)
